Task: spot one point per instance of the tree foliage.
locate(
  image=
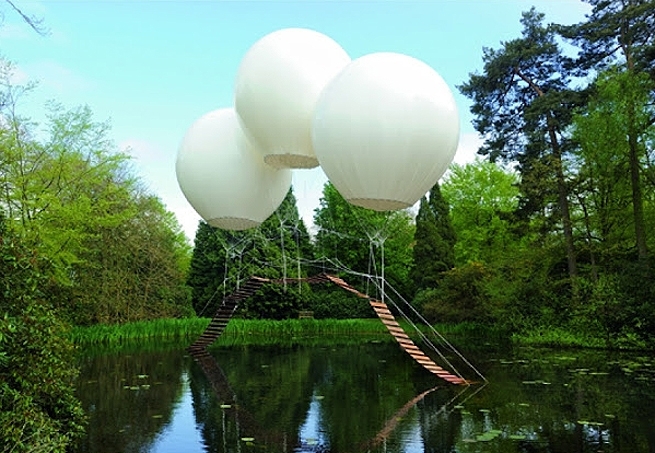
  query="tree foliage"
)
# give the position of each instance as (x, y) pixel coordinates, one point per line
(619, 33)
(434, 241)
(117, 254)
(580, 132)
(38, 409)
(363, 240)
(483, 197)
(522, 104)
(222, 260)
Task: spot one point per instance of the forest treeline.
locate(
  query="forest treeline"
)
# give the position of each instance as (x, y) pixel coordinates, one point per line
(552, 227)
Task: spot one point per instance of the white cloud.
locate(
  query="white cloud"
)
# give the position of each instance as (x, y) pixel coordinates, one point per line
(57, 78)
(18, 76)
(142, 150)
(469, 143)
(14, 31)
(308, 188)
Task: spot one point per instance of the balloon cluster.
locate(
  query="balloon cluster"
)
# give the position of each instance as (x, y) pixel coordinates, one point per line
(383, 127)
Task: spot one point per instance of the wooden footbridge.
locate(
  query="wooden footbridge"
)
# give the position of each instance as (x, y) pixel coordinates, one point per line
(231, 302)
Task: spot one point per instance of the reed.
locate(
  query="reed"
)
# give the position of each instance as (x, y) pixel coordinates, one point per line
(238, 331)
(168, 330)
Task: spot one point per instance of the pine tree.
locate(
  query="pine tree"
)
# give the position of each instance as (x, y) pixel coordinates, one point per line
(434, 248)
(523, 104)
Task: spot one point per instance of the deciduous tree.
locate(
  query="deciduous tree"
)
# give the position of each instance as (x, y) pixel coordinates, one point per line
(482, 197)
(620, 32)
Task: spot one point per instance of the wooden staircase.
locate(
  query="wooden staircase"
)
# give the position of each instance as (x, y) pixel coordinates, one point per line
(406, 343)
(225, 312)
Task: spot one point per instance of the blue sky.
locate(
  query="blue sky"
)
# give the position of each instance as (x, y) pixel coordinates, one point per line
(153, 67)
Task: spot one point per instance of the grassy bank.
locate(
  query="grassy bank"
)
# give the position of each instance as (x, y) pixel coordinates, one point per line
(558, 337)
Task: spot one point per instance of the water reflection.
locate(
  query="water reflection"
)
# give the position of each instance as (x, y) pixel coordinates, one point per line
(366, 398)
(311, 437)
(129, 399)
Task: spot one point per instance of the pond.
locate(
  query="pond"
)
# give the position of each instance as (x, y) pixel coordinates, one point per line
(368, 397)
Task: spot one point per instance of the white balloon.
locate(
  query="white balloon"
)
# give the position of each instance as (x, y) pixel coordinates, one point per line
(278, 83)
(224, 177)
(385, 130)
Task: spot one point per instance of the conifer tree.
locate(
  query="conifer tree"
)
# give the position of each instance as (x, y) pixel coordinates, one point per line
(223, 259)
(434, 248)
(522, 104)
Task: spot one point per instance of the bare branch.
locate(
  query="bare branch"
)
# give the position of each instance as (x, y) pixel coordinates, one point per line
(34, 22)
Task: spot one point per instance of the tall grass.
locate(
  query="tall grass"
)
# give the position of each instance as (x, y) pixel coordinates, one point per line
(166, 330)
(239, 331)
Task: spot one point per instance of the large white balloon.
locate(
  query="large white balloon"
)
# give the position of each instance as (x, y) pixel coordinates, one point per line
(224, 177)
(385, 130)
(278, 83)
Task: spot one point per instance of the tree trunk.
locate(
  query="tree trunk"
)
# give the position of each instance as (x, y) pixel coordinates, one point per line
(562, 192)
(637, 198)
(563, 200)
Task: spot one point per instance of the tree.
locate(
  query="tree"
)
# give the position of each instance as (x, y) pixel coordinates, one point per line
(522, 106)
(602, 130)
(434, 241)
(34, 22)
(483, 197)
(117, 254)
(621, 32)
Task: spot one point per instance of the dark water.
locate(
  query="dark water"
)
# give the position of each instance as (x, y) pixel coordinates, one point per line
(359, 398)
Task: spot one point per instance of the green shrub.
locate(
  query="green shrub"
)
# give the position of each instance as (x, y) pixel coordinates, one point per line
(460, 296)
(330, 302)
(38, 408)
